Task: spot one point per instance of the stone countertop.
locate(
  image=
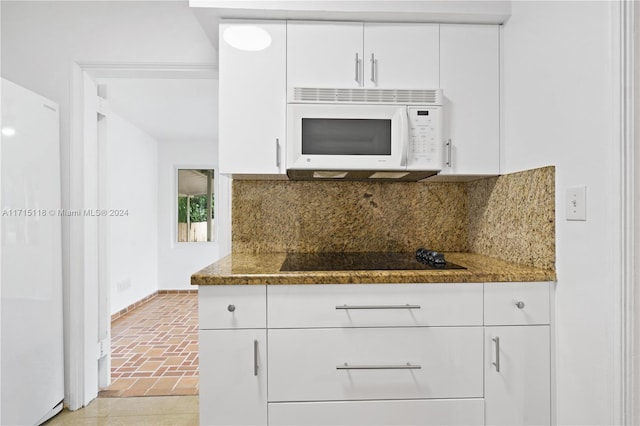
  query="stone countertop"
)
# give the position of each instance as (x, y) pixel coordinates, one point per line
(264, 268)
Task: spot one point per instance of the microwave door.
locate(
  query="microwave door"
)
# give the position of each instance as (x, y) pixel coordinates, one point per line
(347, 143)
(344, 136)
(349, 138)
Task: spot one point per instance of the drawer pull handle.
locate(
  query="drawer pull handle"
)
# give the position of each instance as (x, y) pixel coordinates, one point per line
(373, 67)
(407, 366)
(496, 340)
(231, 308)
(255, 358)
(378, 307)
(520, 305)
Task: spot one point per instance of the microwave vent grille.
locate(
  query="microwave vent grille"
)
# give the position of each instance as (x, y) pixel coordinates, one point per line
(382, 96)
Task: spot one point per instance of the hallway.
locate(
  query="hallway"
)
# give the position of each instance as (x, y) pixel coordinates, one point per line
(154, 348)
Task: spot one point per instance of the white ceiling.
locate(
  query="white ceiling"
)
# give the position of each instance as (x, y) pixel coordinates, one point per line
(167, 109)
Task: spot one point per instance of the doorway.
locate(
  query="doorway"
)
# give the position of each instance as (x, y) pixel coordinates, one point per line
(171, 95)
(154, 344)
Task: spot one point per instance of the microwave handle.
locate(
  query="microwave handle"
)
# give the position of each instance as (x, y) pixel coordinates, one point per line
(404, 136)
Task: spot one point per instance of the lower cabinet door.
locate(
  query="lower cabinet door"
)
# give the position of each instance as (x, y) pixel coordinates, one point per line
(233, 377)
(517, 375)
(375, 363)
(468, 412)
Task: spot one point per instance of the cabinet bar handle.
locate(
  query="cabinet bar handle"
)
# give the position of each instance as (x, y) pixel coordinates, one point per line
(449, 159)
(357, 69)
(496, 340)
(255, 358)
(378, 306)
(373, 68)
(277, 152)
(407, 366)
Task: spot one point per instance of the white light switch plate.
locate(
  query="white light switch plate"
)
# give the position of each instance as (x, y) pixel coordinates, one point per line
(577, 203)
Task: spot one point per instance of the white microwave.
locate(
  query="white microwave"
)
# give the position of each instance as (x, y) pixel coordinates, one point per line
(364, 141)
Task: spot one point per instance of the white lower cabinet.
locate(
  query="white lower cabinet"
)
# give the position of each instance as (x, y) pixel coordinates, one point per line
(517, 375)
(233, 377)
(378, 354)
(469, 412)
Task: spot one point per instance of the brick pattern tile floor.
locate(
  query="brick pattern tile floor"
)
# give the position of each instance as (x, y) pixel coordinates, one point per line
(154, 348)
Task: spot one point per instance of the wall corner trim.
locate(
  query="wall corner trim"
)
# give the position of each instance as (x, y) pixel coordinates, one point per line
(624, 310)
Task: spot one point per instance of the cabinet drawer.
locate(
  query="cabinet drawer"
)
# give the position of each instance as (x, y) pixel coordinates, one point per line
(376, 305)
(392, 413)
(516, 303)
(375, 363)
(231, 306)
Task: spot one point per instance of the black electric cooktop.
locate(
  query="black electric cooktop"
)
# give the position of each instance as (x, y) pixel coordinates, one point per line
(368, 261)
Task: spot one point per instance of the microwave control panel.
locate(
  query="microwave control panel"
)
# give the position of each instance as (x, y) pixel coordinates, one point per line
(425, 147)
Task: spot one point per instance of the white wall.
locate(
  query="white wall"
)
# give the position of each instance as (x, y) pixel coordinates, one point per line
(39, 40)
(132, 170)
(177, 261)
(558, 110)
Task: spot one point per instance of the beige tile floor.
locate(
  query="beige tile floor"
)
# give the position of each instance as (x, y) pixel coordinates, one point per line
(147, 410)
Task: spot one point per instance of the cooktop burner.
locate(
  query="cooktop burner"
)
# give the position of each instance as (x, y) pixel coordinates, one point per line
(368, 261)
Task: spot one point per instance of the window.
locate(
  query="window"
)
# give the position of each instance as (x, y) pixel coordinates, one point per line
(195, 205)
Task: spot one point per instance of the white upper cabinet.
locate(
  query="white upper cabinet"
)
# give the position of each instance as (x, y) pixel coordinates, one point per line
(357, 55)
(462, 60)
(401, 56)
(324, 54)
(470, 82)
(252, 100)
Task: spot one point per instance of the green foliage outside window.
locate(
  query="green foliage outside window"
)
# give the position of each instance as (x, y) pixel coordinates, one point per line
(198, 208)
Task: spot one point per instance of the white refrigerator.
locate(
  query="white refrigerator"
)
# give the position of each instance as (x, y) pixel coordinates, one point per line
(31, 329)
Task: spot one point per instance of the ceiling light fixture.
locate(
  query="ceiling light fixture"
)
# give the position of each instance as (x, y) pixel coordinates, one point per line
(8, 131)
(247, 37)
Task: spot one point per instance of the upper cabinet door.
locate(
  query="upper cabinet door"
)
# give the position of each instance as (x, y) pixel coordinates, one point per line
(356, 55)
(252, 100)
(401, 56)
(470, 82)
(324, 54)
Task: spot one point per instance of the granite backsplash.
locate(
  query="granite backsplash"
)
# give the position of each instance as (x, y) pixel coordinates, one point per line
(510, 217)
